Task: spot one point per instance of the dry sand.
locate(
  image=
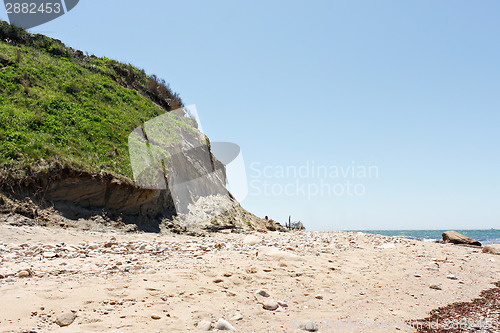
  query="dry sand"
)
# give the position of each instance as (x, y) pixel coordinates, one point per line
(112, 282)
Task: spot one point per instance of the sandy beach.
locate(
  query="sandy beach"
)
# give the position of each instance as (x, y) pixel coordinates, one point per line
(334, 281)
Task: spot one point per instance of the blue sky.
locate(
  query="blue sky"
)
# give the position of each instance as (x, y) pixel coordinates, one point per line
(409, 87)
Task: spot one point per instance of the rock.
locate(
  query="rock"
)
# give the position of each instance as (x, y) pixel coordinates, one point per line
(492, 249)
(48, 255)
(435, 286)
(155, 316)
(22, 274)
(223, 325)
(262, 293)
(218, 280)
(282, 304)
(237, 316)
(204, 325)
(318, 296)
(451, 277)
(164, 298)
(251, 240)
(270, 305)
(456, 238)
(65, 319)
(108, 308)
(151, 271)
(309, 326)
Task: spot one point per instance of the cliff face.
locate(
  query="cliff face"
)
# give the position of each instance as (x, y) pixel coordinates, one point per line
(77, 130)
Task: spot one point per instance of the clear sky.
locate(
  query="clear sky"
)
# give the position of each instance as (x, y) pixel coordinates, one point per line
(408, 88)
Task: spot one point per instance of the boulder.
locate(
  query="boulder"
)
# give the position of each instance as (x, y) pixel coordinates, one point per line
(456, 238)
(492, 249)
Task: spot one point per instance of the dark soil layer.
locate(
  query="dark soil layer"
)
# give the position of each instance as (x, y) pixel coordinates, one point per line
(480, 315)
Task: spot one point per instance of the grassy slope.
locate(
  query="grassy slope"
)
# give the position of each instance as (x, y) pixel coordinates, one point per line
(57, 104)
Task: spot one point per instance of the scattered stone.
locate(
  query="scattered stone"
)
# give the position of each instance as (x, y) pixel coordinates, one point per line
(48, 255)
(23, 274)
(282, 304)
(270, 305)
(65, 319)
(262, 293)
(151, 271)
(223, 325)
(218, 280)
(318, 296)
(451, 277)
(155, 316)
(237, 316)
(457, 238)
(309, 326)
(435, 286)
(492, 249)
(164, 298)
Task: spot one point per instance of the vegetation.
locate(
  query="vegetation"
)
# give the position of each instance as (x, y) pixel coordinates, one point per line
(60, 105)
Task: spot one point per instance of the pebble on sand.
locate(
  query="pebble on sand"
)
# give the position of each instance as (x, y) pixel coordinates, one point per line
(155, 316)
(22, 274)
(262, 293)
(223, 325)
(65, 319)
(270, 305)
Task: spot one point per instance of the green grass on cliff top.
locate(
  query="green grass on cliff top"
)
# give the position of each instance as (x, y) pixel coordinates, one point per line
(57, 104)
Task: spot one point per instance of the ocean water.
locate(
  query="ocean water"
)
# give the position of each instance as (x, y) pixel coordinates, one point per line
(490, 236)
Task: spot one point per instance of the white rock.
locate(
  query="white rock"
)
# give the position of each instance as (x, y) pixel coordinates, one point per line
(451, 277)
(223, 325)
(48, 255)
(270, 305)
(65, 319)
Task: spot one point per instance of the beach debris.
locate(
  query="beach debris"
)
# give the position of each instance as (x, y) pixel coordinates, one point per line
(223, 325)
(309, 326)
(282, 304)
(270, 305)
(262, 293)
(237, 316)
(65, 319)
(457, 238)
